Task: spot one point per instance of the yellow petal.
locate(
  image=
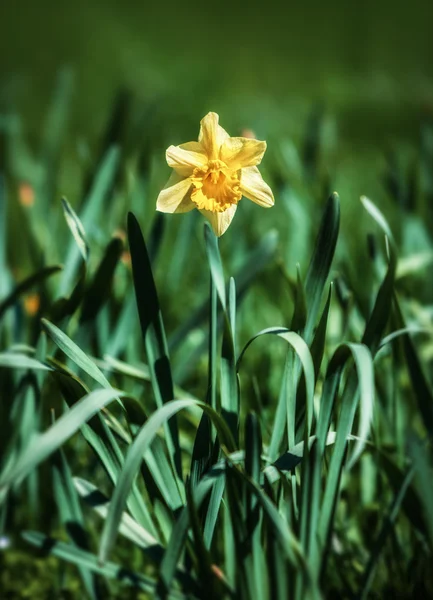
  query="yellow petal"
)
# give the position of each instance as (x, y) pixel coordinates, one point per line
(240, 152)
(253, 187)
(220, 220)
(183, 159)
(211, 135)
(175, 197)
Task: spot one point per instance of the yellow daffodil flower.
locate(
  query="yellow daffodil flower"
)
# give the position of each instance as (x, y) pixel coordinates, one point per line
(213, 174)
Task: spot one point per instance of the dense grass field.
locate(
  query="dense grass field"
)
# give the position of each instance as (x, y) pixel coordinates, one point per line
(186, 416)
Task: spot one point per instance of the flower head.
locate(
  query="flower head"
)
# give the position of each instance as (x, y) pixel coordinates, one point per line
(213, 174)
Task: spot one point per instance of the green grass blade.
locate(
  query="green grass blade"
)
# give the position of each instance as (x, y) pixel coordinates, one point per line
(153, 332)
(215, 264)
(93, 205)
(43, 445)
(299, 318)
(317, 347)
(76, 228)
(303, 353)
(384, 533)
(129, 528)
(420, 384)
(74, 352)
(320, 264)
(72, 517)
(134, 458)
(365, 382)
(253, 264)
(109, 570)
(99, 289)
(15, 360)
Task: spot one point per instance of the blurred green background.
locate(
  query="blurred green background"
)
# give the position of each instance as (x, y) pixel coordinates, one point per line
(370, 59)
(366, 67)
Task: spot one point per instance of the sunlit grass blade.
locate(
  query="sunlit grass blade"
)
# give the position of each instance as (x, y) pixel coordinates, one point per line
(134, 457)
(379, 218)
(92, 207)
(109, 570)
(76, 228)
(100, 438)
(128, 526)
(74, 352)
(15, 360)
(46, 443)
(303, 353)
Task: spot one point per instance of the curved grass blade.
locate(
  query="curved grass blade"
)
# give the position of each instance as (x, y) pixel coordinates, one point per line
(420, 384)
(14, 360)
(74, 352)
(134, 457)
(303, 353)
(128, 526)
(377, 215)
(104, 444)
(109, 570)
(46, 443)
(101, 186)
(76, 228)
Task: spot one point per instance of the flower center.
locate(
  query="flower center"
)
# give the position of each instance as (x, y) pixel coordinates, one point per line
(216, 188)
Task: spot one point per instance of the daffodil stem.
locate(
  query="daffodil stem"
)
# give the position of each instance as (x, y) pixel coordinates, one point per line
(213, 332)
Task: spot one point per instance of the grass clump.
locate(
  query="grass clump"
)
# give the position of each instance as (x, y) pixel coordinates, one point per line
(187, 417)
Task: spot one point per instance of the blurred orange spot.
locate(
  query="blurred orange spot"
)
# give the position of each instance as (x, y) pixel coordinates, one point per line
(32, 303)
(126, 258)
(26, 194)
(216, 570)
(248, 133)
